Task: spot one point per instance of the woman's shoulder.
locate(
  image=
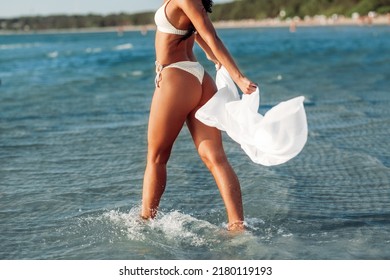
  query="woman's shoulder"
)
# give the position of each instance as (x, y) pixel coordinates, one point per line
(189, 3)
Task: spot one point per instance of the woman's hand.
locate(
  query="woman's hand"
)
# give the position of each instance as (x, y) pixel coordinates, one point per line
(246, 85)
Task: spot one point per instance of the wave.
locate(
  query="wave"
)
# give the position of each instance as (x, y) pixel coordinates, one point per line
(122, 47)
(136, 73)
(18, 46)
(93, 50)
(53, 54)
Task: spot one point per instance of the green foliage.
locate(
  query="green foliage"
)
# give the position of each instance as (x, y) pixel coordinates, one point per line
(258, 9)
(75, 21)
(236, 10)
(367, 5)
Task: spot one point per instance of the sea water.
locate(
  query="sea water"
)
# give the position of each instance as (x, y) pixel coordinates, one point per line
(73, 118)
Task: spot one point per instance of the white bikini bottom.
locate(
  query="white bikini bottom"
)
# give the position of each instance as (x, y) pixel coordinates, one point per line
(192, 67)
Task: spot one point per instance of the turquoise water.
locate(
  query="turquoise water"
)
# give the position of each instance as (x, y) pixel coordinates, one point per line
(73, 119)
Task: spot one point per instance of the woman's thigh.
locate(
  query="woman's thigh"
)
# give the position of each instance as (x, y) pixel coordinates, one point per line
(177, 95)
(207, 139)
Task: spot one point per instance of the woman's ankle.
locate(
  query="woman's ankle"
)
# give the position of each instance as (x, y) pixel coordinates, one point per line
(236, 226)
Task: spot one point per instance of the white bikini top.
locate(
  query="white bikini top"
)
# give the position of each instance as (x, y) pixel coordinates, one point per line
(163, 24)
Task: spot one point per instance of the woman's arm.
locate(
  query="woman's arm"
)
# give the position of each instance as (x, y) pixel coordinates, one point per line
(209, 53)
(198, 16)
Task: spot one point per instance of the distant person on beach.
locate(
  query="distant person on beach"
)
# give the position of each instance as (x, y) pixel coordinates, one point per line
(182, 87)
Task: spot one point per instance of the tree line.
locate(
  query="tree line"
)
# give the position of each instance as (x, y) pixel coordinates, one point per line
(236, 10)
(261, 9)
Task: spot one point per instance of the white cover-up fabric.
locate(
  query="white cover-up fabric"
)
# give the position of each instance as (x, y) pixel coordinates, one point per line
(272, 139)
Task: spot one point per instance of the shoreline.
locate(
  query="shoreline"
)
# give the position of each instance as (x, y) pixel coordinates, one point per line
(307, 22)
(292, 24)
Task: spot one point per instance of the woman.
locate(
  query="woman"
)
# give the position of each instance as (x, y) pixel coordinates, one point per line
(182, 87)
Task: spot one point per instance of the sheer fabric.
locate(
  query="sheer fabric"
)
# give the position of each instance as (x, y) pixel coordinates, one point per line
(272, 139)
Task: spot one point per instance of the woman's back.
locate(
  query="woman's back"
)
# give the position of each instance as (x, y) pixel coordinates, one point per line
(172, 25)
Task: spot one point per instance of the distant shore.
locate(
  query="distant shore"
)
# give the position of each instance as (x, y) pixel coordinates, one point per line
(307, 21)
(292, 24)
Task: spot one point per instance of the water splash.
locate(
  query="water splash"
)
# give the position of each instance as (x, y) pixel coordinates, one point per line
(171, 235)
(173, 228)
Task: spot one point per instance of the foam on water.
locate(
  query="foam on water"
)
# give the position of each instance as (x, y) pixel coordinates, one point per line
(18, 46)
(123, 47)
(93, 50)
(53, 54)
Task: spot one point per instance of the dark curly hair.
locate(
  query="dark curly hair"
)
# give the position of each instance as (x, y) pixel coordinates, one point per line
(207, 4)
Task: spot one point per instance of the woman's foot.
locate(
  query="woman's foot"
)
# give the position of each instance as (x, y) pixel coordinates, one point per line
(236, 226)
